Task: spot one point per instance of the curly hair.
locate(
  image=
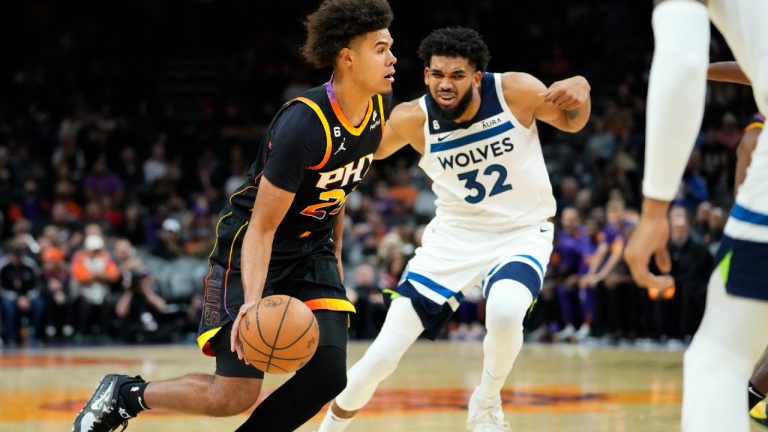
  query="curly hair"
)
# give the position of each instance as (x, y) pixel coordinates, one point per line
(336, 22)
(455, 42)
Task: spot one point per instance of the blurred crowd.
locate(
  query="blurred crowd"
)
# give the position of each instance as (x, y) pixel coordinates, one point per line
(112, 169)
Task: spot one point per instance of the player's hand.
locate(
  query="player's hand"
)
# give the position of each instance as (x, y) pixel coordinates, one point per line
(568, 94)
(650, 238)
(234, 340)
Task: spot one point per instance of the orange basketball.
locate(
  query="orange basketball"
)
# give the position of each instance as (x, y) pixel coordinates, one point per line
(279, 335)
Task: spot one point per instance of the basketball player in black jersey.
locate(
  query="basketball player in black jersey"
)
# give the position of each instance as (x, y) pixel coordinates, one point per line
(281, 233)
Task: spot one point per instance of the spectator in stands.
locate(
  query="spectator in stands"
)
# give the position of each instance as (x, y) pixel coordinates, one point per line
(692, 265)
(568, 254)
(93, 273)
(20, 295)
(138, 307)
(617, 311)
(55, 282)
(170, 246)
(369, 305)
(101, 181)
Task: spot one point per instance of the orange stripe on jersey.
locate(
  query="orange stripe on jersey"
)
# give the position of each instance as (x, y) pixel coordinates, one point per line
(330, 304)
(204, 341)
(327, 128)
(754, 125)
(345, 122)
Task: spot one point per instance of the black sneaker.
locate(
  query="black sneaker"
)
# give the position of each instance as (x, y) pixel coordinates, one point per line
(105, 410)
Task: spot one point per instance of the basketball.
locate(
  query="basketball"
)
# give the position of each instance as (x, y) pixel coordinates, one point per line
(279, 335)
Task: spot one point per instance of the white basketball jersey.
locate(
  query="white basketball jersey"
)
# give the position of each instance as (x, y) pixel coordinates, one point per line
(488, 173)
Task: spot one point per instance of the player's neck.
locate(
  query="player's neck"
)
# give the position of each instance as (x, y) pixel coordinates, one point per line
(352, 99)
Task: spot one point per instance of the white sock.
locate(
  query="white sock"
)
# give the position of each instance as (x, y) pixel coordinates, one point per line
(676, 91)
(332, 423)
(506, 306)
(720, 360)
(401, 328)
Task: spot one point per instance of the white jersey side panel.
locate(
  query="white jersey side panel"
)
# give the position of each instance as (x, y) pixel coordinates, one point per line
(488, 174)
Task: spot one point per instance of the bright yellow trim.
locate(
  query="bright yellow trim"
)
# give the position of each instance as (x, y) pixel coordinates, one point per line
(216, 242)
(203, 339)
(754, 125)
(328, 142)
(231, 251)
(381, 111)
(725, 266)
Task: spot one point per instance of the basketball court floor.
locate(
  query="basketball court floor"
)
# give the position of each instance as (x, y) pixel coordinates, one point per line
(553, 388)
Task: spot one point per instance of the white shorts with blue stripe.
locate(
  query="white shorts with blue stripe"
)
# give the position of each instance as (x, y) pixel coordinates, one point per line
(452, 260)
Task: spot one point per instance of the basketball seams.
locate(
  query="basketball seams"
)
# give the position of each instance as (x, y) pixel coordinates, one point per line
(311, 324)
(277, 333)
(268, 356)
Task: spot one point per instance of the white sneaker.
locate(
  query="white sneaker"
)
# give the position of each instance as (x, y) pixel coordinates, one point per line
(485, 414)
(583, 333)
(565, 334)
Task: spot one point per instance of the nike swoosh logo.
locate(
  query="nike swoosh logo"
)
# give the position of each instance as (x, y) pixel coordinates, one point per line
(441, 138)
(545, 230)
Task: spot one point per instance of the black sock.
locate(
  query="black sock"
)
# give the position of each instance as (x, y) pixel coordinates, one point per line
(755, 395)
(132, 394)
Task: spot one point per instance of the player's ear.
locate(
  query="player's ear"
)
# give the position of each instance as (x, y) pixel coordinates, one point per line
(345, 57)
(477, 77)
(426, 76)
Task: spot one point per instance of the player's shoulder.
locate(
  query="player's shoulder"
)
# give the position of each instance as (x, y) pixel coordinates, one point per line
(518, 82)
(408, 113)
(301, 112)
(521, 90)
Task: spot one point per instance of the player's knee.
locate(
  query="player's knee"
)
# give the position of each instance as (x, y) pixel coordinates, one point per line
(507, 305)
(380, 360)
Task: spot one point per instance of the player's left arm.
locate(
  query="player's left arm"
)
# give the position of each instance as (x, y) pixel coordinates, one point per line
(565, 104)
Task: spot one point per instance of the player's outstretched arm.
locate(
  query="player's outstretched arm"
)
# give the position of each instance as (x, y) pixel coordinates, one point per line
(404, 127)
(727, 72)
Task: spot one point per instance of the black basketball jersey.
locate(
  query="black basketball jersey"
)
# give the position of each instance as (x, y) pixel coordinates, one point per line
(324, 186)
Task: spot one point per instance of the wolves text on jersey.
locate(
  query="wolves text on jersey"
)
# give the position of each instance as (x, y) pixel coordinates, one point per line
(478, 154)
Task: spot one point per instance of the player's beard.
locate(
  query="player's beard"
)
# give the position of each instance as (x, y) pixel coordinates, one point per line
(450, 114)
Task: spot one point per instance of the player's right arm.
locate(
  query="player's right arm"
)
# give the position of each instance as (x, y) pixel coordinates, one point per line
(293, 149)
(727, 72)
(272, 203)
(404, 127)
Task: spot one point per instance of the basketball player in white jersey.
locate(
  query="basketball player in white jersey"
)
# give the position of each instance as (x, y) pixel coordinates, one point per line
(477, 133)
(723, 352)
